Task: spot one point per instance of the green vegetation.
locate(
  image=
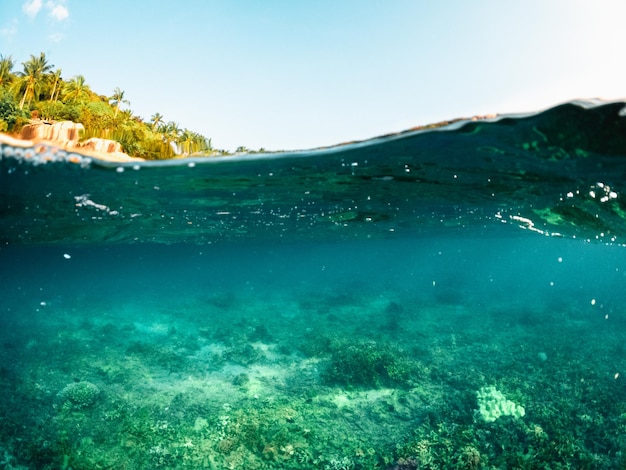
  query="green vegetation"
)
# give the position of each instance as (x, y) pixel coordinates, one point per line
(40, 91)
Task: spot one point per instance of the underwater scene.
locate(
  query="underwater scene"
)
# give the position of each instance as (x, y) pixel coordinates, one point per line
(443, 298)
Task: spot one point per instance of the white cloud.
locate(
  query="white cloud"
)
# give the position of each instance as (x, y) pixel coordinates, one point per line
(9, 30)
(56, 37)
(57, 11)
(32, 7)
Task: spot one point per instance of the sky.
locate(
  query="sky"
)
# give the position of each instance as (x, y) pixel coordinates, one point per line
(297, 74)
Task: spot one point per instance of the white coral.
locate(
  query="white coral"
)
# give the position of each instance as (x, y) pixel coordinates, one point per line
(492, 404)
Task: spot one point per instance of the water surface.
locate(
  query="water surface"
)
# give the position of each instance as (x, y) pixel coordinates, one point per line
(335, 309)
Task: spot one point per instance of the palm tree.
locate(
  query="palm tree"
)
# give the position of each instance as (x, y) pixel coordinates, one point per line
(206, 144)
(187, 142)
(172, 131)
(55, 78)
(118, 99)
(201, 143)
(156, 120)
(6, 65)
(190, 142)
(171, 135)
(76, 89)
(127, 114)
(35, 70)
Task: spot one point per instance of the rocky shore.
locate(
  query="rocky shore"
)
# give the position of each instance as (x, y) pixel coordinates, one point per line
(65, 135)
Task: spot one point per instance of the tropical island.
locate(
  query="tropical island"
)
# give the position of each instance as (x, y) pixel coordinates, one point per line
(38, 95)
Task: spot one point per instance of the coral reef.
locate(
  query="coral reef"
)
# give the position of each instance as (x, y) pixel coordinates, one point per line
(207, 388)
(492, 404)
(369, 364)
(79, 395)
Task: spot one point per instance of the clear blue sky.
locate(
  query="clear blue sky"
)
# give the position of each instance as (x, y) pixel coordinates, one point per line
(290, 74)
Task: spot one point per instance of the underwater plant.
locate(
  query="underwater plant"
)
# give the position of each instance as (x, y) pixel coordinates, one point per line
(369, 364)
(79, 395)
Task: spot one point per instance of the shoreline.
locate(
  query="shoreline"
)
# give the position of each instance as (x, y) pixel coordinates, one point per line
(44, 145)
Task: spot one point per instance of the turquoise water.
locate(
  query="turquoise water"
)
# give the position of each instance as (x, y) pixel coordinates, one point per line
(347, 308)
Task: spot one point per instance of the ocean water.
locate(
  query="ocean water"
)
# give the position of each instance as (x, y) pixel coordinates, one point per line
(440, 298)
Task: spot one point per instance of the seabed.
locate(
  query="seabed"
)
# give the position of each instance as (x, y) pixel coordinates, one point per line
(346, 372)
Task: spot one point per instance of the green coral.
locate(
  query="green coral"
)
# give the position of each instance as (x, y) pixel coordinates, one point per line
(369, 364)
(79, 395)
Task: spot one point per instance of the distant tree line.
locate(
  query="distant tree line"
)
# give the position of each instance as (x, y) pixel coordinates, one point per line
(39, 91)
